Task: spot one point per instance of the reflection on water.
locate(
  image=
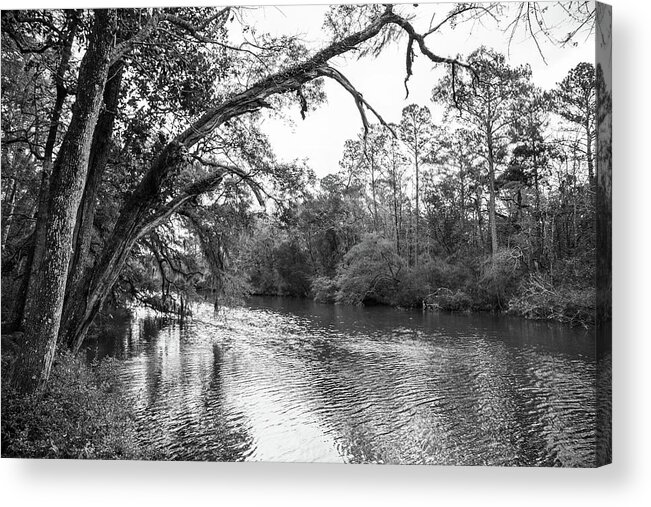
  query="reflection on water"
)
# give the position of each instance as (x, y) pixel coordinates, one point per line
(293, 380)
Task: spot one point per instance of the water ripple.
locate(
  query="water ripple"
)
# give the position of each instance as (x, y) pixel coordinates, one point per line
(295, 381)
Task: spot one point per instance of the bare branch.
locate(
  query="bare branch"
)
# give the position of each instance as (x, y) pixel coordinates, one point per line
(360, 101)
(194, 31)
(410, 61)
(458, 12)
(533, 34)
(420, 40)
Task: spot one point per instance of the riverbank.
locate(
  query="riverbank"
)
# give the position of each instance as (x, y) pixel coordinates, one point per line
(505, 283)
(82, 413)
(534, 299)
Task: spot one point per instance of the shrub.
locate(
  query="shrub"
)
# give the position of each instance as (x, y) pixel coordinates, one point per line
(442, 273)
(81, 413)
(539, 299)
(499, 278)
(370, 272)
(575, 270)
(457, 301)
(291, 267)
(412, 288)
(324, 289)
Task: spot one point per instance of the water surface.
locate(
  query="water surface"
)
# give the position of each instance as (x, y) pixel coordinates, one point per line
(293, 380)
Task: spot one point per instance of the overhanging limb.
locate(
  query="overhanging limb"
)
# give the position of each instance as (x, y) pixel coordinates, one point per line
(360, 101)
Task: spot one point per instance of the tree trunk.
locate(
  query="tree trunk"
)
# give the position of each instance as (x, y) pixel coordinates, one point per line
(46, 295)
(395, 208)
(132, 223)
(462, 180)
(588, 153)
(478, 216)
(417, 232)
(9, 212)
(372, 161)
(80, 264)
(536, 176)
(491, 198)
(99, 155)
(36, 252)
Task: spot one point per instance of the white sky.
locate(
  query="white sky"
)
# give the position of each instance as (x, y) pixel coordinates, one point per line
(320, 137)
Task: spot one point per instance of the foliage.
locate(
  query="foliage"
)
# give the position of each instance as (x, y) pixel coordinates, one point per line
(83, 412)
(539, 299)
(273, 263)
(370, 272)
(575, 97)
(445, 299)
(324, 289)
(499, 278)
(292, 270)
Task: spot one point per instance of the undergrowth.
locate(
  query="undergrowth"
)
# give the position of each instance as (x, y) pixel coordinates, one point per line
(82, 412)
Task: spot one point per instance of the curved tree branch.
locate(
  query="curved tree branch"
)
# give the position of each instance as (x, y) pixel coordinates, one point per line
(360, 101)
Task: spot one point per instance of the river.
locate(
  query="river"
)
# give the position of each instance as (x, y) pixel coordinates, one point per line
(292, 380)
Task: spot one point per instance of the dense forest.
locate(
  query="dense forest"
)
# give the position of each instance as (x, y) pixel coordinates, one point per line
(490, 209)
(135, 170)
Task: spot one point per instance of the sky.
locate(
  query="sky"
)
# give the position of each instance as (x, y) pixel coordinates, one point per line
(319, 138)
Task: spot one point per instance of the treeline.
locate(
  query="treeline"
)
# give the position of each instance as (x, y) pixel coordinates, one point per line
(490, 208)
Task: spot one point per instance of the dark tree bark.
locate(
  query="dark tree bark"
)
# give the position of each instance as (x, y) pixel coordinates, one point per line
(99, 156)
(35, 255)
(46, 295)
(589, 136)
(81, 263)
(374, 191)
(396, 200)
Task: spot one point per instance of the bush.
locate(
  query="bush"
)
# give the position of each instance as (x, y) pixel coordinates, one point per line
(499, 279)
(457, 301)
(324, 289)
(82, 413)
(575, 270)
(539, 299)
(291, 267)
(370, 272)
(412, 288)
(441, 273)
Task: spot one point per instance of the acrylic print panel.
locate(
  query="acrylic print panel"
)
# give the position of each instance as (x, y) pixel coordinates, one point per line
(354, 234)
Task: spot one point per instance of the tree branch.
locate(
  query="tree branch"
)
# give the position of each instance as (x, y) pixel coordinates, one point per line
(190, 192)
(255, 187)
(125, 46)
(360, 102)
